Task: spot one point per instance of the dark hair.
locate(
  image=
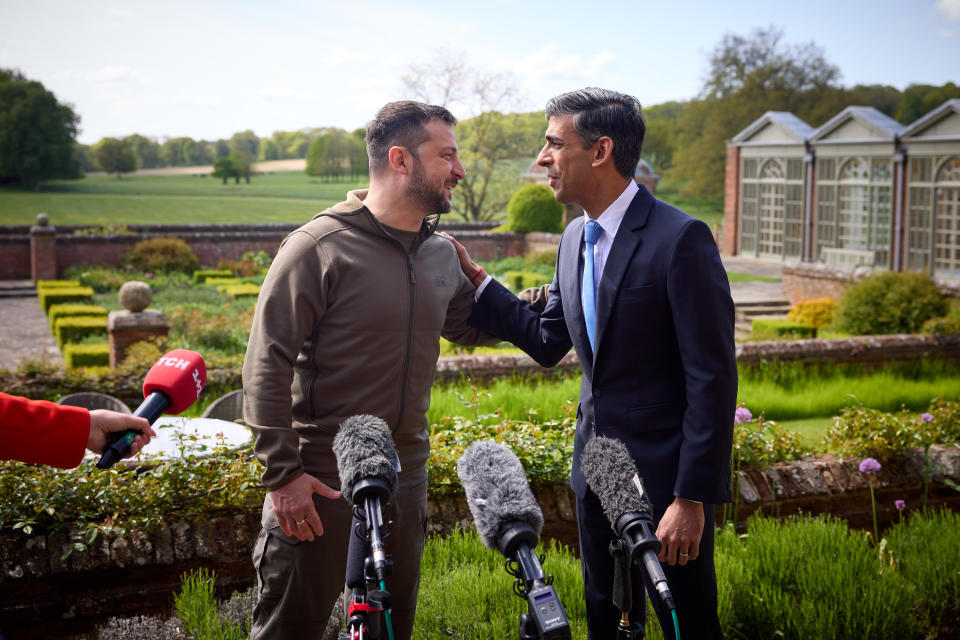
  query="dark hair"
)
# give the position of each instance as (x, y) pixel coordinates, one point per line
(400, 123)
(601, 112)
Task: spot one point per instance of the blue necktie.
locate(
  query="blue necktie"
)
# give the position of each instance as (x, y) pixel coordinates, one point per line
(588, 293)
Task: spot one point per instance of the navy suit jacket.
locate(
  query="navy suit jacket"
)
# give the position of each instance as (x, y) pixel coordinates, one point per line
(663, 379)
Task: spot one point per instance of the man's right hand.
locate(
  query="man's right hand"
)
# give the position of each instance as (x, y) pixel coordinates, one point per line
(294, 508)
(471, 269)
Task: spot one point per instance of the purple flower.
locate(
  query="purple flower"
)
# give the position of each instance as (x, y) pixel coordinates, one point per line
(742, 414)
(926, 417)
(899, 504)
(869, 465)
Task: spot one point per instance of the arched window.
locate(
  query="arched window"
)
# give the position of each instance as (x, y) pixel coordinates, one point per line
(855, 207)
(771, 209)
(947, 216)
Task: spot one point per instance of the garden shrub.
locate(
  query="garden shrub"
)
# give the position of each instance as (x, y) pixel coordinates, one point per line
(86, 355)
(102, 279)
(944, 325)
(817, 313)
(200, 276)
(889, 302)
(780, 329)
(62, 295)
(534, 208)
(860, 432)
(520, 280)
(57, 284)
(759, 443)
(241, 290)
(162, 255)
(545, 260)
(811, 578)
(58, 311)
(75, 329)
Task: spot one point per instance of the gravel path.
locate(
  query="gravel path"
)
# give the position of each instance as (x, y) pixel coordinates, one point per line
(24, 333)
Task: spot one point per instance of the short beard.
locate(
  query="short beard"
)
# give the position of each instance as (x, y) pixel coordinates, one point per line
(423, 195)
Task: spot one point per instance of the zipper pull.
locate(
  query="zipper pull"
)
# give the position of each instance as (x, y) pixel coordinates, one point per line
(413, 277)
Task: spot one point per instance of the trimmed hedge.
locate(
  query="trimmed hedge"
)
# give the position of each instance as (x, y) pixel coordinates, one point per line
(63, 295)
(780, 329)
(86, 355)
(817, 313)
(74, 329)
(534, 208)
(58, 311)
(240, 290)
(57, 284)
(202, 275)
(520, 280)
(890, 302)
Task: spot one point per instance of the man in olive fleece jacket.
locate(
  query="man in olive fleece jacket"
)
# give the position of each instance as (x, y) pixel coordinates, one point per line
(348, 322)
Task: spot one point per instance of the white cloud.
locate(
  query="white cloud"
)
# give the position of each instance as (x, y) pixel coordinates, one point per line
(119, 12)
(548, 62)
(950, 8)
(112, 74)
(946, 33)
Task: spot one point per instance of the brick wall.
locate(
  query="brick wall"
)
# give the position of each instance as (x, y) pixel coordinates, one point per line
(731, 202)
(15, 257)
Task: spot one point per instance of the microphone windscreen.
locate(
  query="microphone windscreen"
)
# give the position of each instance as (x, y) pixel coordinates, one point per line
(497, 490)
(181, 374)
(609, 471)
(364, 449)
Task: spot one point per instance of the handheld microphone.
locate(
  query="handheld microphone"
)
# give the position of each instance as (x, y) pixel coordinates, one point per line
(509, 520)
(612, 475)
(172, 384)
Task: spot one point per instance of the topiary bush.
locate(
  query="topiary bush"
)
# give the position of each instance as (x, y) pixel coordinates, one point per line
(86, 355)
(889, 302)
(63, 295)
(780, 329)
(58, 311)
(74, 329)
(817, 313)
(162, 255)
(202, 275)
(533, 208)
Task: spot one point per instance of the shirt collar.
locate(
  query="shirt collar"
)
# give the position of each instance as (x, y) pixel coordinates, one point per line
(611, 218)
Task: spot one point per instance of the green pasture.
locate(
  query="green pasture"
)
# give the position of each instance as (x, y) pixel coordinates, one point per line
(289, 196)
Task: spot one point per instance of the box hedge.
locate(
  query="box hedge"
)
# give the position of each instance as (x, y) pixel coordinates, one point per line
(520, 280)
(86, 355)
(817, 312)
(780, 329)
(58, 311)
(75, 328)
(57, 284)
(58, 295)
(202, 275)
(240, 290)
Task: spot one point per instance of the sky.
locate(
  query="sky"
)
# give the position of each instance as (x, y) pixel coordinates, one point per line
(209, 68)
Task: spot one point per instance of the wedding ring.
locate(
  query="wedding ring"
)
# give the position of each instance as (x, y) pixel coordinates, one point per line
(300, 522)
(684, 555)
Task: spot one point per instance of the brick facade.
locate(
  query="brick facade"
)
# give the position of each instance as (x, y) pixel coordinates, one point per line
(731, 201)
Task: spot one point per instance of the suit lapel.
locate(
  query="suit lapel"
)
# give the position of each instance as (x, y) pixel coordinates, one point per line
(624, 246)
(571, 261)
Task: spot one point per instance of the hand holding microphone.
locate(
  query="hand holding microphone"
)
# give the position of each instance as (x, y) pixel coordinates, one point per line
(104, 424)
(171, 385)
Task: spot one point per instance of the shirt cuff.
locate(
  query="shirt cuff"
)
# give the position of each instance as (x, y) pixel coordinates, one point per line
(483, 285)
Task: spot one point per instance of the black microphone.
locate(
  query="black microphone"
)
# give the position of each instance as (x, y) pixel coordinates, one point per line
(612, 475)
(509, 520)
(367, 463)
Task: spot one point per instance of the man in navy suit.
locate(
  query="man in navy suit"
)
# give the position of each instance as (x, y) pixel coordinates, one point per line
(653, 330)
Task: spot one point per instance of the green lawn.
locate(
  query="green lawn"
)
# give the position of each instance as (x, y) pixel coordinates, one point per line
(99, 200)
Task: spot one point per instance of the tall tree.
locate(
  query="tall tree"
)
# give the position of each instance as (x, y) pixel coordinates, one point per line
(221, 149)
(918, 99)
(494, 146)
(146, 149)
(37, 133)
(747, 76)
(247, 143)
(116, 156)
(336, 154)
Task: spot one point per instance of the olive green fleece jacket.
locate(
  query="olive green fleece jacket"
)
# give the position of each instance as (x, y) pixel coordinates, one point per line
(348, 322)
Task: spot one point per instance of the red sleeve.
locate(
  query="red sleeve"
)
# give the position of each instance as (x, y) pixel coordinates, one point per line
(37, 431)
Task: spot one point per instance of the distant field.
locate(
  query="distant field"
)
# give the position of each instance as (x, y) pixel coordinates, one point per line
(174, 199)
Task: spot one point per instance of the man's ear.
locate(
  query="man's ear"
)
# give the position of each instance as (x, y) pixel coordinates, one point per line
(400, 159)
(602, 151)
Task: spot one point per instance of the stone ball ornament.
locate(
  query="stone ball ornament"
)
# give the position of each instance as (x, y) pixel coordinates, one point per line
(135, 296)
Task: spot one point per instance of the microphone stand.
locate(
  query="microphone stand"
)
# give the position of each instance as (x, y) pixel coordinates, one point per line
(369, 496)
(545, 618)
(623, 592)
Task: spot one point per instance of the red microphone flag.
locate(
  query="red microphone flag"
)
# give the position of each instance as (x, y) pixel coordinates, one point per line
(181, 374)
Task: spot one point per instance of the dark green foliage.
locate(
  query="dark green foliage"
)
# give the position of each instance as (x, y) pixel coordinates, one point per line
(76, 329)
(947, 324)
(60, 295)
(86, 355)
(780, 329)
(889, 302)
(116, 156)
(337, 155)
(223, 168)
(534, 208)
(37, 133)
(162, 255)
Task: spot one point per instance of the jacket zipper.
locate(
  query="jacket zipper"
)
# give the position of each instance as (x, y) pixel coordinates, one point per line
(412, 280)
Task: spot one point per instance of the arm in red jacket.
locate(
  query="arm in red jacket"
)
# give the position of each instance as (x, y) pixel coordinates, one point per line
(37, 431)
